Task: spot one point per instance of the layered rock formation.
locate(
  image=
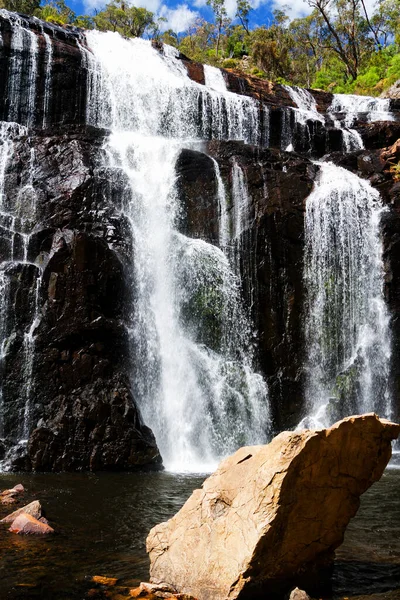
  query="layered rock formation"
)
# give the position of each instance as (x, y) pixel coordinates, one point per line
(66, 246)
(79, 392)
(271, 516)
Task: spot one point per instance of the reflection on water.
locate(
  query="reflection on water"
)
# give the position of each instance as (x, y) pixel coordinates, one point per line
(102, 522)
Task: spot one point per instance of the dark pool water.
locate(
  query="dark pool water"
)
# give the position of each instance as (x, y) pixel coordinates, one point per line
(102, 522)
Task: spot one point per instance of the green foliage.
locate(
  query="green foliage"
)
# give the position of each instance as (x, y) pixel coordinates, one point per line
(56, 11)
(339, 47)
(127, 20)
(23, 6)
(230, 63)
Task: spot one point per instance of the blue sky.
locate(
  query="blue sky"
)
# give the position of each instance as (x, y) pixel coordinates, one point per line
(180, 14)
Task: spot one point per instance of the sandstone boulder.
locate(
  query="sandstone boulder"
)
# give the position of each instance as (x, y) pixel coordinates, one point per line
(270, 515)
(27, 525)
(299, 595)
(34, 509)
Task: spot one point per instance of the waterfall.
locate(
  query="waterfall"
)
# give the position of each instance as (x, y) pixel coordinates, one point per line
(214, 79)
(47, 80)
(23, 72)
(191, 340)
(307, 111)
(306, 105)
(375, 109)
(346, 320)
(17, 221)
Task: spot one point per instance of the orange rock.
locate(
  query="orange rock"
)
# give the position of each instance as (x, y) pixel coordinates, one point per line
(8, 493)
(33, 509)
(8, 500)
(271, 515)
(28, 525)
(104, 580)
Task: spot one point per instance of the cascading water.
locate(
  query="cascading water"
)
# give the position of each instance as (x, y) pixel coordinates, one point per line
(346, 320)
(193, 377)
(307, 111)
(17, 220)
(375, 109)
(47, 81)
(306, 105)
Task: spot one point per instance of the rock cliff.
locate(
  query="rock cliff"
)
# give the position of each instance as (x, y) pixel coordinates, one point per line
(67, 251)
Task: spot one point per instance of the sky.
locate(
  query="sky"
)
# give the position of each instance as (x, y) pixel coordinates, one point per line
(181, 14)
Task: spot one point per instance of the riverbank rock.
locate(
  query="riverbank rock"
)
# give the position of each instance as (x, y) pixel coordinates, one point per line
(28, 525)
(10, 496)
(270, 515)
(297, 594)
(34, 509)
(151, 591)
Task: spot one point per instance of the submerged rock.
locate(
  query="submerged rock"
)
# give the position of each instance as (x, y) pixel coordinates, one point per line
(271, 515)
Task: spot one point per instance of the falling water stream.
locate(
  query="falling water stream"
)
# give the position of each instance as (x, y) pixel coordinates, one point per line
(193, 380)
(346, 319)
(195, 377)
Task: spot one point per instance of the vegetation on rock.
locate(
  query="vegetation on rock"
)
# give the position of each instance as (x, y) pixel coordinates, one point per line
(340, 47)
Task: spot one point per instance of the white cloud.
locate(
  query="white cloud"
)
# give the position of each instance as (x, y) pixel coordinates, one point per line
(294, 10)
(178, 19)
(151, 5)
(300, 8)
(231, 6)
(92, 5)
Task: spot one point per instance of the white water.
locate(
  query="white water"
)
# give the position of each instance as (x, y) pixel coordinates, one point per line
(376, 109)
(306, 105)
(346, 320)
(307, 110)
(17, 220)
(21, 70)
(214, 78)
(47, 81)
(193, 378)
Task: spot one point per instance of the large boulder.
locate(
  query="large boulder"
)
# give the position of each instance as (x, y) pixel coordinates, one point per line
(271, 515)
(33, 509)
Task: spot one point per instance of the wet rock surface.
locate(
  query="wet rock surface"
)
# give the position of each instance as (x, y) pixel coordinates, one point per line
(271, 516)
(271, 251)
(25, 524)
(80, 398)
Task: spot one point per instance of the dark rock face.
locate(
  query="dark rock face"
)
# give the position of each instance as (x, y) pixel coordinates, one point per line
(67, 84)
(73, 270)
(271, 257)
(79, 394)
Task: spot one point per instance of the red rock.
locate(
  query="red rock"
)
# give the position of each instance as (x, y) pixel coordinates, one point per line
(7, 493)
(18, 488)
(28, 525)
(33, 509)
(8, 500)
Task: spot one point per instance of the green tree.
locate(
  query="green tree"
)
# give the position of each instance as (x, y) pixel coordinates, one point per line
(242, 13)
(130, 21)
(56, 11)
(26, 7)
(221, 20)
(345, 32)
(271, 48)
